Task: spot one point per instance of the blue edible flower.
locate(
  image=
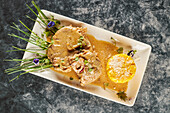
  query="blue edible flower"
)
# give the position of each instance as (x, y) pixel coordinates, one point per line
(51, 24)
(36, 61)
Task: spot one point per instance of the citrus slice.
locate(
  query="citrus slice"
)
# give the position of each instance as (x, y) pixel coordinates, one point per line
(121, 68)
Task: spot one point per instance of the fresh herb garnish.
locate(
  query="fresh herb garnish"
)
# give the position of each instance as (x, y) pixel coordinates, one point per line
(60, 27)
(114, 41)
(81, 37)
(34, 38)
(85, 61)
(80, 49)
(47, 61)
(41, 60)
(84, 43)
(77, 58)
(62, 61)
(106, 84)
(42, 35)
(71, 78)
(80, 41)
(134, 51)
(122, 95)
(53, 26)
(90, 69)
(28, 65)
(47, 33)
(120, 50)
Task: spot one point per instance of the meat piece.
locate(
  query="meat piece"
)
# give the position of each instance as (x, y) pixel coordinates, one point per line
(67, 38)
(78, 42)
(64, 39)
(88, 71)
(86, 43)
(72, 43)
(87, 54)
(76, 38)
(72, 39)
(78, 66)
(89, 77)
(61, 64)
(81, 30)
(92, 72)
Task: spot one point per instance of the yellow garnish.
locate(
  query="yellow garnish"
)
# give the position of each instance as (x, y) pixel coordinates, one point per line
(121, 68)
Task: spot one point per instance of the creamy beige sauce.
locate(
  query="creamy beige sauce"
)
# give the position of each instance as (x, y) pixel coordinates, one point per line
(105, 50)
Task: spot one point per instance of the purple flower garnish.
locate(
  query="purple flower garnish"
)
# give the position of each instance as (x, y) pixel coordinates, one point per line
(51, 24)
(131, 53)
(36, 61)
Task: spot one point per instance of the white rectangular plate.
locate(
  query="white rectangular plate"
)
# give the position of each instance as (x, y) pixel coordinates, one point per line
(143, 52)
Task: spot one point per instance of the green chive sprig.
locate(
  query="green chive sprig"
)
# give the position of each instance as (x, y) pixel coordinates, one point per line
(41, 60)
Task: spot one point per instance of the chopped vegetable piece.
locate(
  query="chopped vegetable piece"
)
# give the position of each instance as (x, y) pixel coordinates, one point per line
(77, 58)
(79, 43)
(90, 69)
(47, 61)
(57, 21)
(80, 49)
(122, 95)
(85, 61)
(83, 42)
(47, 33)
(62, 61)
(37, 54)
(81, 37)
(42, 35)
(120, 50)
(71, 78)
(106, 84)
(134, 51)
(60, 27)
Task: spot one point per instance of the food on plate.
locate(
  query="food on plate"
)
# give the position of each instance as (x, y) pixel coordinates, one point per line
(121, 68)
(80, 56)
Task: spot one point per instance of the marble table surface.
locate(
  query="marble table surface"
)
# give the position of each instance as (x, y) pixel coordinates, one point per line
(147, 21)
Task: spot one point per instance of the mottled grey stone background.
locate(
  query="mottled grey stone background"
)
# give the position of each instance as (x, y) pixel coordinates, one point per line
(147, 21)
